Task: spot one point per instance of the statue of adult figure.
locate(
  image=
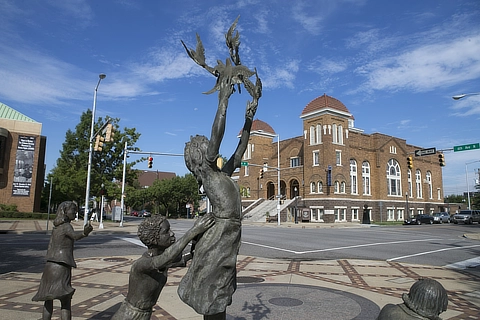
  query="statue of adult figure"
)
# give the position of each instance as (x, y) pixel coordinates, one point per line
(57, 274)
(210, 281)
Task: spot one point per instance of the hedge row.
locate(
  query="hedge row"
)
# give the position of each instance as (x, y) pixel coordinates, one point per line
(25, 215)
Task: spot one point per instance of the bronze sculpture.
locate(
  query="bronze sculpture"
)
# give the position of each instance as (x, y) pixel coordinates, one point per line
(57, 274)
(426, 299)
(210, 281)
(148, 274)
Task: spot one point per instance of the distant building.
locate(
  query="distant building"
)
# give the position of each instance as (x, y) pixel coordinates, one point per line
(146, 178)
(22, 160)
(334, 169)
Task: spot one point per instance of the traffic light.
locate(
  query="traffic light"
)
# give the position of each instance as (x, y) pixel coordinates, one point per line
(409, 162)
(109, 133)
(99, 143)
(150, 162)
(441, 160)
(261, 173)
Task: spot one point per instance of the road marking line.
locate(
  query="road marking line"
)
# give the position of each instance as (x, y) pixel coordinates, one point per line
(430, 252)
(339, 248)
(134, 241)
(470, 263)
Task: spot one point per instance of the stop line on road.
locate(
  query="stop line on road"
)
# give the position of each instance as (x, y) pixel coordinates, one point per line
(340, 248)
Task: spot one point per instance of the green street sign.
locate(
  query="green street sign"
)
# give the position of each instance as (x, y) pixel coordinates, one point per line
(244, 163)
(466, 147)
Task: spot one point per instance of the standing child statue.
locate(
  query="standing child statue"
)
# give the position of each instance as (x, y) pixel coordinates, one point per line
(148, 274)
(210, 281)
(57, 274)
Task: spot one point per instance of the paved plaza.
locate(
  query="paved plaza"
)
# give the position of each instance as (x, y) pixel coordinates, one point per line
(267, 288)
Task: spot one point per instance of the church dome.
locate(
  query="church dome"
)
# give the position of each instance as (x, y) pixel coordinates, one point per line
(324, 102)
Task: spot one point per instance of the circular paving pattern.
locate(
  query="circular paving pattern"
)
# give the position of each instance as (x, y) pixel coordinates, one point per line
(290, 301)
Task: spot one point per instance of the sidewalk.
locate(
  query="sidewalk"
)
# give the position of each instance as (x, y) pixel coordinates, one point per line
(267, 288)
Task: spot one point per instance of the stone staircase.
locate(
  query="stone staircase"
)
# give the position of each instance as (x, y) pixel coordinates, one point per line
(259, 210)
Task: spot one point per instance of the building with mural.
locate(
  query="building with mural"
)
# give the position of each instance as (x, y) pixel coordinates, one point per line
(22, 158)
(333, 171)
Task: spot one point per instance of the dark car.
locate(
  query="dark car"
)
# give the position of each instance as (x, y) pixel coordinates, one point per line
(419, 219)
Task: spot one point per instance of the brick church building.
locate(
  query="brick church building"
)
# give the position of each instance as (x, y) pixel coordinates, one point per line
(333, 171)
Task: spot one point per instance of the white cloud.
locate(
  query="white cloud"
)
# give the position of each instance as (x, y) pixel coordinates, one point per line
(426, 67)
(281, 76)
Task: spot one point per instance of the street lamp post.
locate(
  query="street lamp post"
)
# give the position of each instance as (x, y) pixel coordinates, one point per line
(466, 180)
(296, 215)
(49, 201)
(123, 184)
(90, 149)
(278, 180)
(408, 212)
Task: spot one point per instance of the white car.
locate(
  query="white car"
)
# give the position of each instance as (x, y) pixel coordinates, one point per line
(441, 217)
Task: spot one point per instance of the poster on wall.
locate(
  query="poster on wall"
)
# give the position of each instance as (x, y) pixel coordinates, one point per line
(22, 178)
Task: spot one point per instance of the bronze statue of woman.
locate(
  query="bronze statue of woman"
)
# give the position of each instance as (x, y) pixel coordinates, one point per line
(210, 281)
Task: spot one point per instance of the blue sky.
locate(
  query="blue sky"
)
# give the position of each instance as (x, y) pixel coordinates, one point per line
(394, 64)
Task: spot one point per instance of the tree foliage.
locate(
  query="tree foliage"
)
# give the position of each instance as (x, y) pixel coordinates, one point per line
(165, 196)
(69, 176)
(454, 198)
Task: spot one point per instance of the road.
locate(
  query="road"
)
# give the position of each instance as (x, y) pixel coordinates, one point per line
(436, 245)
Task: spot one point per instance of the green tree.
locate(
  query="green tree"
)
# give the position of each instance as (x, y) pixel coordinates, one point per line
(173, 194)
(69, 176)
(454, 198)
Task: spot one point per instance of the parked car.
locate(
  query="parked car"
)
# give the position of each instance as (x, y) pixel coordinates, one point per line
(146, 214)
(419, 219)
(467, 216)
(134, 213)
(441, 217)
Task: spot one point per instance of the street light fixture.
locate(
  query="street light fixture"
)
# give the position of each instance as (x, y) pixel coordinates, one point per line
(463, 95)
(101, 76)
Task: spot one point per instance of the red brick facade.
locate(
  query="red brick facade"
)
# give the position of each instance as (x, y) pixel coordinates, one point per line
(358, 164)
(22, 167)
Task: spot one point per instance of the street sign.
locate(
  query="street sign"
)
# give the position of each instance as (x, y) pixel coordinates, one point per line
(466, 147)
(244, 163)
(425, 152)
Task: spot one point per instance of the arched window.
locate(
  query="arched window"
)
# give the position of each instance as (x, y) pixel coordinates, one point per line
(312, 135)
(366, 177)
(319, 133)
(336, 187)
(342, 187)
(353, 176)
(320, 187)
(394, 178)
(418, 183)
(312, 187)
(315, 134)
(429, 182)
